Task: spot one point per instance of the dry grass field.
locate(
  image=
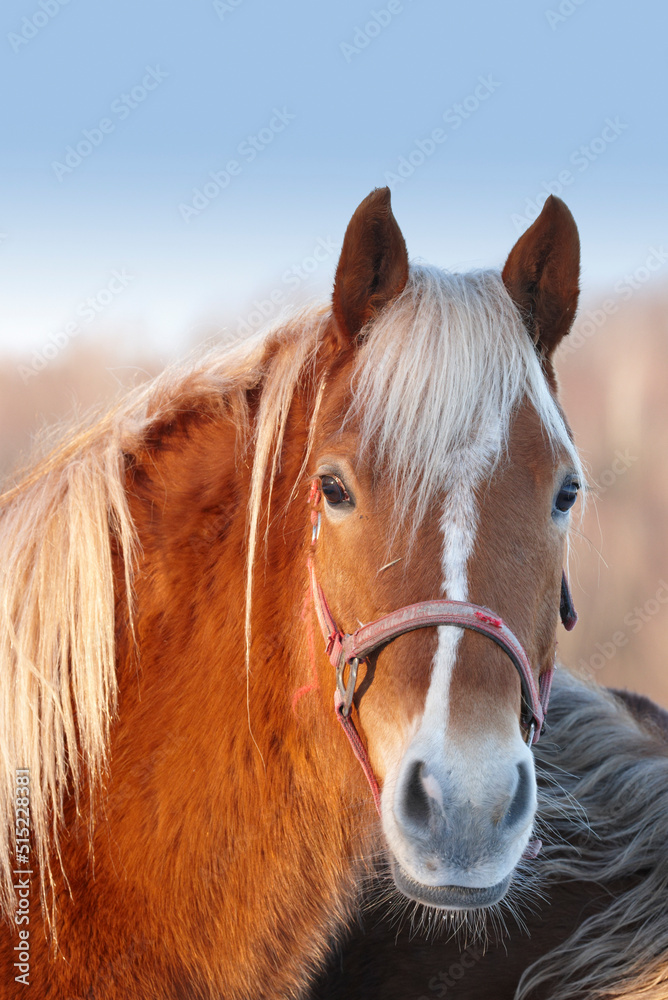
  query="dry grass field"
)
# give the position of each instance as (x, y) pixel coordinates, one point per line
(614, 379)
(615, 392)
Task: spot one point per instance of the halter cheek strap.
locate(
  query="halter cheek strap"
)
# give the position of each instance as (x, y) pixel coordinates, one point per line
(359, 749)
(569, 615)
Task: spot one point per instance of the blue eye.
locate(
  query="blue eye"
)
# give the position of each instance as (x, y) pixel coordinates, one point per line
(567, 495)
(333, 490)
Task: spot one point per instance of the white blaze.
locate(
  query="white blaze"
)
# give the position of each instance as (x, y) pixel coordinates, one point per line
(458, 526)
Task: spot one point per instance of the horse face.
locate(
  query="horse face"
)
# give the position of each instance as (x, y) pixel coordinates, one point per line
(440, 708)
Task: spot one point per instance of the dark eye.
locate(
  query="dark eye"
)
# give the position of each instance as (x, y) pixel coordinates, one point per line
(567, 495)
(333, 490)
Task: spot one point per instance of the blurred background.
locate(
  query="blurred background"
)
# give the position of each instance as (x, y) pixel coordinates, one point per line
(177, 173)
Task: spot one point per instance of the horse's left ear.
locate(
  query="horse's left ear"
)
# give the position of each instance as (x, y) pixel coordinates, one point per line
(373, 266)
(542, 275)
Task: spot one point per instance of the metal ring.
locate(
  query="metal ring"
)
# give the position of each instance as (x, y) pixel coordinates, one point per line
(347, 690)
(530, 732)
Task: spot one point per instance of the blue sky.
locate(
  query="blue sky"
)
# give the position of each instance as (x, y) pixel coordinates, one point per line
(314, 104)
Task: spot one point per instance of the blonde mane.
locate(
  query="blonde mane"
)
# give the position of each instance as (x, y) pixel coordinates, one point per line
(441, 370)
(59, 528)
(438, 380)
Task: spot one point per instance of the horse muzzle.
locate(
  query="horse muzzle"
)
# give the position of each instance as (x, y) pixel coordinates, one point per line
(458, 819)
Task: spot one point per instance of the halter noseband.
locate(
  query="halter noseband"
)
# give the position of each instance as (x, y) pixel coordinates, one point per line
(351, 648)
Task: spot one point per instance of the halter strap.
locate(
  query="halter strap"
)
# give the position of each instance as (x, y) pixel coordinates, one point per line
(349, 649)
(569, 615)
(346, 648)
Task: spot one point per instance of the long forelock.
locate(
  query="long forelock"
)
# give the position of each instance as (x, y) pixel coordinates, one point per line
(437, 381)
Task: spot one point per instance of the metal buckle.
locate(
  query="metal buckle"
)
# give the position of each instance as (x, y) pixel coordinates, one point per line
(530, 733)
(347, 690)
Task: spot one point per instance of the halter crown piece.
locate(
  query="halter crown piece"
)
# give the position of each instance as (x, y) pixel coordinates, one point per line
(349, 649)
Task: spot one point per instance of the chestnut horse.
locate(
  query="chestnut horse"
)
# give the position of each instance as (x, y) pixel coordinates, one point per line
(183, 815)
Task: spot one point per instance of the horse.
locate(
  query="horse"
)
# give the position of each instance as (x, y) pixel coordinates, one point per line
(290, 604)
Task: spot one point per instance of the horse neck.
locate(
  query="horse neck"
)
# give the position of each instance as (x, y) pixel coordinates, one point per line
(249, 779)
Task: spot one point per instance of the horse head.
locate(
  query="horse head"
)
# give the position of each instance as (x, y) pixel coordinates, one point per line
(442, 468)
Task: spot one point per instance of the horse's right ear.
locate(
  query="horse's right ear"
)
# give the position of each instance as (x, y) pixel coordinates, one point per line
(372, 268)
(542, 275)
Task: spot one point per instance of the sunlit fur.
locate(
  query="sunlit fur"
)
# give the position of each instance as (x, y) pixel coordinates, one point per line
(57, 615)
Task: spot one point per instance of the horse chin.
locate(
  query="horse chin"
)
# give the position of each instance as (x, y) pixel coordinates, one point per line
(449, 897)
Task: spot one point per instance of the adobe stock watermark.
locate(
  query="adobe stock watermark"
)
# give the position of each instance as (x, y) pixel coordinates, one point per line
(454, 117)
(634, 620)
(364, 35)
(592, 320)
(223, 7)
(564, 10)
(247, 150)
(87, 310)
(444, 981)
(291, 278)
(581, 159)
(22, 872)
(32, 24)
(121, 108)
(620, 465)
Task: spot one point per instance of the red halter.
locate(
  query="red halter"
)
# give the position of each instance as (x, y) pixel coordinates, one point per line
(350, 648)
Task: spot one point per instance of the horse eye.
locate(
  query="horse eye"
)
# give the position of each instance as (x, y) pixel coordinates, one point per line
(567, 495)
(333, 490)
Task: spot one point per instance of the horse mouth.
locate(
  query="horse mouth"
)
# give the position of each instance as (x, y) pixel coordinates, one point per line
(449, 897)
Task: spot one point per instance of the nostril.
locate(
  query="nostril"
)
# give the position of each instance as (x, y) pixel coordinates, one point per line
(522, 796)
(416, 801)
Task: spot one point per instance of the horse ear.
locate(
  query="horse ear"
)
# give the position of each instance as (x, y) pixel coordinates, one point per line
(542, 276)
(373, 266)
